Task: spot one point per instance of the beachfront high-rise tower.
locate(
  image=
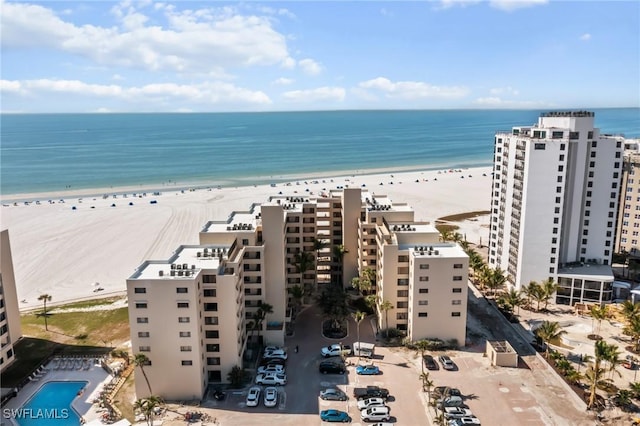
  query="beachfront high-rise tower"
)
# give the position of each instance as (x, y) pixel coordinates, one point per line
(10, 330)
(554, 199)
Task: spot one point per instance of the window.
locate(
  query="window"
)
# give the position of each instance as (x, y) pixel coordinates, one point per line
(141, 305)
(402, 305)
(423, 291)
(456, 302)
(212, 334)
(455, 314)
(211, 307)
(213, 361)
(457, 290)
(185, 348)
(184, 319)
(424, 266)
(422, 314)
(209, 292)
(402, 316)
(139, 290)
(403, 281)
(187, 362)
(559, 179)
(539, 145)
(183, 304)
(562, 148)
(144, 349)
(424, 279)
(423, 302)
(457, 266)
(182, 290)
(185, 334)
(403, 293)
(457, 278)
(209, 279)
(143, 334)
(211, 320)
(142, 320)
(245, 242)
(213, 347)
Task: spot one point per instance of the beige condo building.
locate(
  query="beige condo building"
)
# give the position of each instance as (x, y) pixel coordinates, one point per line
(193, 314)
(10, 330)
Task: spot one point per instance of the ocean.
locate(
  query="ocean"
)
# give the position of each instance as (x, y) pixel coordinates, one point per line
(58, 152)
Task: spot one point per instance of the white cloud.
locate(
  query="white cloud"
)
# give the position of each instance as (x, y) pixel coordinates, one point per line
(282, 81)
(585, 37)
(208, 93)
(117, 77)
(496, 102)
(509, 5)
(310, 67)
(412, 90)
(504, 90)
(193, 41)
(314, 95)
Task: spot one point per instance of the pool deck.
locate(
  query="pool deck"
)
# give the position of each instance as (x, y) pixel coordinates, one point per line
(95, 376)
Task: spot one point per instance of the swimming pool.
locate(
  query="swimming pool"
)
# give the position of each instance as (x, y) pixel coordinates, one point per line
(51, 405)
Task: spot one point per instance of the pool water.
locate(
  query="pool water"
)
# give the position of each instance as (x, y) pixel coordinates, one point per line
(51, 405)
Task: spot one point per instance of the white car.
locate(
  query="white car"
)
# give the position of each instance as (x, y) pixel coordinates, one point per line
(253, 397)
(464, 421)
(457, 412)
(374, 413)
(335, 350)
(278, 353)
(370, 402)
(270, 396)
(271, 379)
(272, 368)
(272, 348)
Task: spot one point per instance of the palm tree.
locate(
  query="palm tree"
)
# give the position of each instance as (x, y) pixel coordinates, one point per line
(446, 234)
(536, 292)
(386, 306)
(630, 310)
(427, 384)
(338, 253)
(259, 316)
(140, 360)
(635, 389)
(303, 261)
(547, 331)
(297, 293)
(358, 317)
(317, 246)
(45, 298)
(549, 287)
(236, 376)
(476, 263)
(513, 298)
(529, 291)
(595, 377)
(495, 279)
(633, 329)
(574, 377)
(422, 346)
(598, 313)
(147, 406)
(362, 284)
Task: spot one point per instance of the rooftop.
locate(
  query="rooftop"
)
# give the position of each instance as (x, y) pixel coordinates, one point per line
(568, 114)
(501, 346)
(186, 261)
(587, 270)
(237, 221)
(434, 250)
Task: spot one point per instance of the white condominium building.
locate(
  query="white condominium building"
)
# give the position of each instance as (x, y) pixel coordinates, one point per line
(553, 205)
(628, 231)
(10, 330)
(193, 314)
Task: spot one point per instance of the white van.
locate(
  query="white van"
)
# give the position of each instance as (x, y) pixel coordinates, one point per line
(377, 413)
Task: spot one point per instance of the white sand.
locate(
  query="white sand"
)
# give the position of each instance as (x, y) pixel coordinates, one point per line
(65, 252)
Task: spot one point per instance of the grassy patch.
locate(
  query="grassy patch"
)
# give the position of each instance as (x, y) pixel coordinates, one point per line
(99, 328)
(443, 228)
(124, 397)
(463, 216)
(87, 303)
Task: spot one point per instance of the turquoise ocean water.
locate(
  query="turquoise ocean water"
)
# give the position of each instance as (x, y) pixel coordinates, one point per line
(54, 152)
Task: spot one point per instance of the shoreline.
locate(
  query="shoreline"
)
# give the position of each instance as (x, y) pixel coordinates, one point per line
(89, 245)
(211, 184)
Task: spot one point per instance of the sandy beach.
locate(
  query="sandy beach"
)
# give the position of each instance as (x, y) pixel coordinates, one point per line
(71, 253)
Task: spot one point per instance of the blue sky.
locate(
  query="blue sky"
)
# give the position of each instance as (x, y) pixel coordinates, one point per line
(148, 56)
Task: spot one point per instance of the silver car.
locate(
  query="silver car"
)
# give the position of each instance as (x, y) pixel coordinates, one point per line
(253, 397)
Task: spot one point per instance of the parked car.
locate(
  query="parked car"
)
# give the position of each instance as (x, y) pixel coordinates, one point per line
(271, 368)
(371, 392)
(430, 362)
(372, 414)
(367, 370)
(457, 412)
(330, 367)
(275, 354)
(442, 391)
(273, 361)
(446, 362)
(271, 379)
(370, 402)
(253, 397)
(270, 396)
(464, 421)
(272, 348)
(335, 350)
(333, 394)
(334, 416)
(451, 401)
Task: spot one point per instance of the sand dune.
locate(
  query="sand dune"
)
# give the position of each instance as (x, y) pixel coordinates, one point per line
(69, 254)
